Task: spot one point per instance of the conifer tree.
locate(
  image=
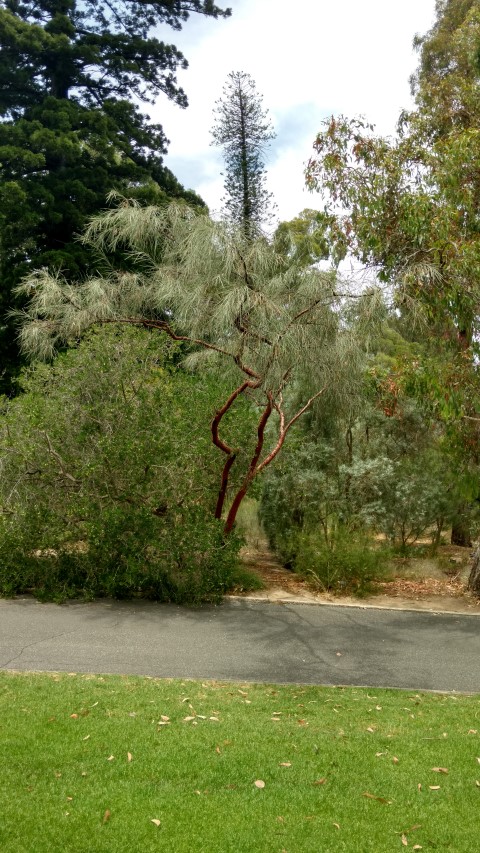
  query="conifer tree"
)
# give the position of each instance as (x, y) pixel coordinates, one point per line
(243, 130)
(70, 131)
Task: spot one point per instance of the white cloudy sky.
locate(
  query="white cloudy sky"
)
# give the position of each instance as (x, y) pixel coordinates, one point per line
(309, 59)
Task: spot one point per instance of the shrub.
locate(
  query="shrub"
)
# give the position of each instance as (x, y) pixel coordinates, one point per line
(109, 479)
(347, 563)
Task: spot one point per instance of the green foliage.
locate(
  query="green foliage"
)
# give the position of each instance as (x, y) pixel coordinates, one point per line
(348, 563)
(270, 328)
(70, 76)
(241, 128)
(108, 477)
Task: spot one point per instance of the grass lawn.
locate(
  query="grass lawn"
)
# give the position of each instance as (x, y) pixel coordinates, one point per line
(93, 763)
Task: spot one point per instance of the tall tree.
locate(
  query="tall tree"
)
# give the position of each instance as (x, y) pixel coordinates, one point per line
(243, 130)
(264, 322)
(70, 72)
(410, 209)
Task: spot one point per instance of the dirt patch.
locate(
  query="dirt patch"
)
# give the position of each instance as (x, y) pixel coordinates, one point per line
(417, 583)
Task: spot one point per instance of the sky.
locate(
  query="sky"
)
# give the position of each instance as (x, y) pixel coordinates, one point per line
(310, 59)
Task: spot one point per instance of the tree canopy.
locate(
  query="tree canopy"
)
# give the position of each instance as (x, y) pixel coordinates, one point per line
(70, 130)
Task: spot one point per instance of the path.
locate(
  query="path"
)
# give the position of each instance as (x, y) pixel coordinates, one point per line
(247, 641)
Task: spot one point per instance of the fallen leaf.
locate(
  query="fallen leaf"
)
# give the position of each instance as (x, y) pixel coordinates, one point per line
(164, 718)
(164, 723)
(404, 840)
(188, 719)
(339, 654)
(259, 783)
(337, 825)
(320, 782)
(417, 847)
(280, 819)
(419, 786)
(156, 821)
(378, 707)
(477, 783)
(86, 737)
(94, 704)
(106, 816)
(285, 764)
(275, 719)
(74, 716)
(217, 750)
(302, 722)
(242, 693)
(478, 759)
(129, 756)
(395, 759)
(439, 769)
(57, 774)
(214, 719)
(370, 730)
(373, 797)
(110, 758)
(378, 754)
(434, 787)
(472, 731)
(69, 799)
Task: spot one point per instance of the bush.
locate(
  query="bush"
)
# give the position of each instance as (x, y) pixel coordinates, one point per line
(109, 479)
(346, 564)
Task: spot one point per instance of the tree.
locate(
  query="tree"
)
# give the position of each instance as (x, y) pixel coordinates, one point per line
(70, 131)
(243, 130)
(261, 321)
(409, 207)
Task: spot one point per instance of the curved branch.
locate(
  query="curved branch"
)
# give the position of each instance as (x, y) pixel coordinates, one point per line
(284, 428)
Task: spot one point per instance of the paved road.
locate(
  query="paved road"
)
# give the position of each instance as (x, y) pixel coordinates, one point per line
(247, 641)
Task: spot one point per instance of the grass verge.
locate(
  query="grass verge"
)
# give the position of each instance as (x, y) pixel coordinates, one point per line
(94, 764)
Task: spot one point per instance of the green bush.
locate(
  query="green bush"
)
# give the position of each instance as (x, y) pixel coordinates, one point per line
(109, 478)
(345, 564)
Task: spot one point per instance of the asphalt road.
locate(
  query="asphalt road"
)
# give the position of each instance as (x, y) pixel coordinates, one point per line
(246, 641)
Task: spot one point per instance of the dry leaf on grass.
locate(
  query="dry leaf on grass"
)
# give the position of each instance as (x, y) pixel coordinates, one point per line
(395, 759)
(110, 758)
(320, 782)
(439, 769)
(156, 821)
(336, 825)
(129, 756)
(378, 799)
(259, 783)
(404, 840)
(434, 787)
(106, 816)
(285, 764)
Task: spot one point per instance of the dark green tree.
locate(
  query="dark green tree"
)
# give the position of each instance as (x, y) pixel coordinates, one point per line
(243, 131)
(70, 131)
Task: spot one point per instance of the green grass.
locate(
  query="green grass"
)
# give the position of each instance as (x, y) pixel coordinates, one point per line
(87, 767)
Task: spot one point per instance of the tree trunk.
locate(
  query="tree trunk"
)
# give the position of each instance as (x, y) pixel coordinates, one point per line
(461, 533)
(474, 577)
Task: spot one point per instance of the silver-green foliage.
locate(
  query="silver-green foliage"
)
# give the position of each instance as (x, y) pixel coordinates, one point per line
(271, 328)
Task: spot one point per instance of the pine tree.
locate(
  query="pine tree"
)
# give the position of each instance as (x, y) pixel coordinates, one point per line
(70, 71)
(243, 130)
